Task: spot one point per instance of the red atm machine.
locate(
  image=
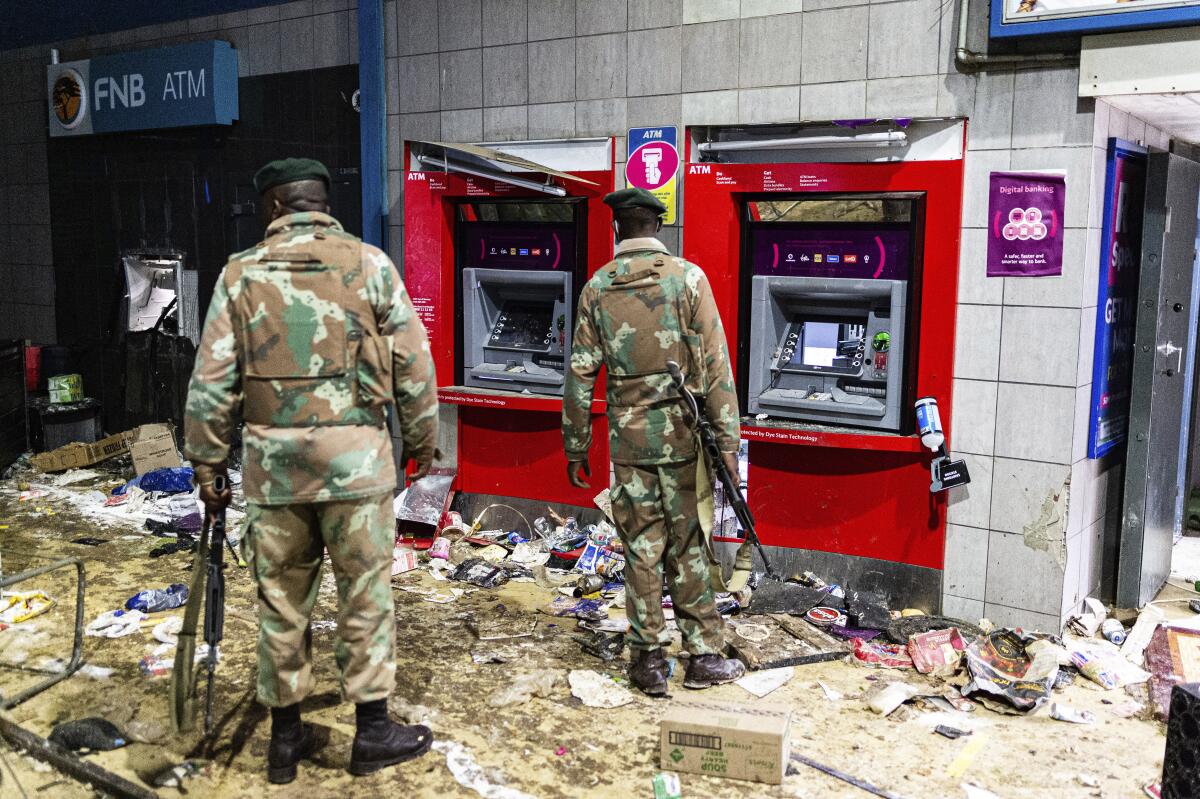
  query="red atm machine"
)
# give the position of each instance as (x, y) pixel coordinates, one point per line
(498, 242)
(833, 254)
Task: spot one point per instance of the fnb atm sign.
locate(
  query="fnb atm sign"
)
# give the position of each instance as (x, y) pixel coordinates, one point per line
(169, 87)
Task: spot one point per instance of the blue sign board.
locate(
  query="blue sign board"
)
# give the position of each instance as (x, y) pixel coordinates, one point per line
(1058, 17)
(169, 87)
(1116, 301)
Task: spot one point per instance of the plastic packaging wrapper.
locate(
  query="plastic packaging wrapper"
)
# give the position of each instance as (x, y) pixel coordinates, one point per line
(524, 687)
(586, 609)
(169, 481)
(423, 501)
(880, 655)
(157, 599)
(1001, 669)
(480, 572)
(602, 560)
(937, 652)
(1103, 664)
(891, 696)
(598, 690)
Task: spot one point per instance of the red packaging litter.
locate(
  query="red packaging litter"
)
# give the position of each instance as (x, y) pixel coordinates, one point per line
(937, 651)
(881, 655)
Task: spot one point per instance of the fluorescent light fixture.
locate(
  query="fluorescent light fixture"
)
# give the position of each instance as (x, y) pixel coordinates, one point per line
(891, 138)
(479, 172)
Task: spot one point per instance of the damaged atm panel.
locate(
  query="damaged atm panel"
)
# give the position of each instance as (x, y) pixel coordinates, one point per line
(160, 331)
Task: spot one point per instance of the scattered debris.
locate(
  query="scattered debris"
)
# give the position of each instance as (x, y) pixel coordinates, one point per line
(480, 572)
(880, 655)
(1103, 664)
(666, 785)
(524, 687)
(1090, 619)
(174, 776)
(21, 606)
(886, 697)
(586, 609)
(116, 624)
(950, 732)
(154, 600)
(1067, 713)
(606, 646)
(830, 693)
(1134, 646)
(1002, 669)
(87, 735)
(844, 777)
(598, 690)
(471, 775)
(761, 683)
(937, 652)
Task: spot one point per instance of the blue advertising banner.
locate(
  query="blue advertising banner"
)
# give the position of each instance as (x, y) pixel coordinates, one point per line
(1116, 302)
(1058, 17)
(169, 87)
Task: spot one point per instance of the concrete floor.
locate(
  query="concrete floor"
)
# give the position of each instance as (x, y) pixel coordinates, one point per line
(550, 748)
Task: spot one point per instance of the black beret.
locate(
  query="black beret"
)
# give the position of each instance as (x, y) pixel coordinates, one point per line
(634, 198)
(289, 170)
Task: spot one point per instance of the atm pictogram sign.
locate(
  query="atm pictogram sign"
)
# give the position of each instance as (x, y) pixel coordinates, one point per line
(652, 164)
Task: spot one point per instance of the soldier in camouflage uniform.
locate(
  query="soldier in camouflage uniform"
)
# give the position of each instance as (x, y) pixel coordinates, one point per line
(309, 338)
(639, 311)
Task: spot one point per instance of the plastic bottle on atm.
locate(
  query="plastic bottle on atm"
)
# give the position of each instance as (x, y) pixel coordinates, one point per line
(929, 423)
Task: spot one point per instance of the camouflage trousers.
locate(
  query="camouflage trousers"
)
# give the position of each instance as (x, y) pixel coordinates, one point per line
(285, 545)
(654, 508)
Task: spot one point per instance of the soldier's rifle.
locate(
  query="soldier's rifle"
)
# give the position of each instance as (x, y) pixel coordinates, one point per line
(699, 422)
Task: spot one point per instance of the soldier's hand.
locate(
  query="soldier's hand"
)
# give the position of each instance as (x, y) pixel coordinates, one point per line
(423, 463)
(214, 501)
(576, 471)
(730, 460)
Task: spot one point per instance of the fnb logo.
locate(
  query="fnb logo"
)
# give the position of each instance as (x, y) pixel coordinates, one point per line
(700, 169)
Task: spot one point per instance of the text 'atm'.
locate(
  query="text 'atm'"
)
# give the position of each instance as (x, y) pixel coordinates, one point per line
(520, 266)
(830, 314)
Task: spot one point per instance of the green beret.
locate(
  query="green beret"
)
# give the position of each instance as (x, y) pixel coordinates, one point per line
(289, 170)
(634, 198)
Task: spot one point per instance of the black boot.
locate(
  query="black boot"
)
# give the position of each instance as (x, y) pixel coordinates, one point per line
(707, 670)
(291, 742)
(648, 671)
(380, 742)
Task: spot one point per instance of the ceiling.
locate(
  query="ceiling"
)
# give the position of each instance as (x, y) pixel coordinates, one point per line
(1177, 114)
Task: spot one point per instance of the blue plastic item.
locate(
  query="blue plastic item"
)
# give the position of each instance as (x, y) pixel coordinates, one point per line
(173, 480)
(156, 599)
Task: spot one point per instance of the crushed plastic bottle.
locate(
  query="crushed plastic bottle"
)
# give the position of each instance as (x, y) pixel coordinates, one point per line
(155, 599)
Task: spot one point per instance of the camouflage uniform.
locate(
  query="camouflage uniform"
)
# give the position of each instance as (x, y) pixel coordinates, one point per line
(639, 311)
(310, 336)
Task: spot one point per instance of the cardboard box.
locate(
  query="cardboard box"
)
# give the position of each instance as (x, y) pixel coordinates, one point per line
(726, 740)
(404, 559)
(65, 388)
(78, 455)
(153, 447)
(154, 443)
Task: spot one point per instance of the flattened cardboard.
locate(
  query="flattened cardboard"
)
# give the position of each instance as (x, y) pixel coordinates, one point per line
(722, 739)
(156, 442)
(78, 455)
(153, 448)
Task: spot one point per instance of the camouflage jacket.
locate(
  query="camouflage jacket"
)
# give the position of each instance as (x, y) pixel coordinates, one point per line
(639, 311)
(309, 337)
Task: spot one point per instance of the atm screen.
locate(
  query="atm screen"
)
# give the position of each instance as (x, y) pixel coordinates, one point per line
(825, 344)
(523, 325)
(523, 245)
